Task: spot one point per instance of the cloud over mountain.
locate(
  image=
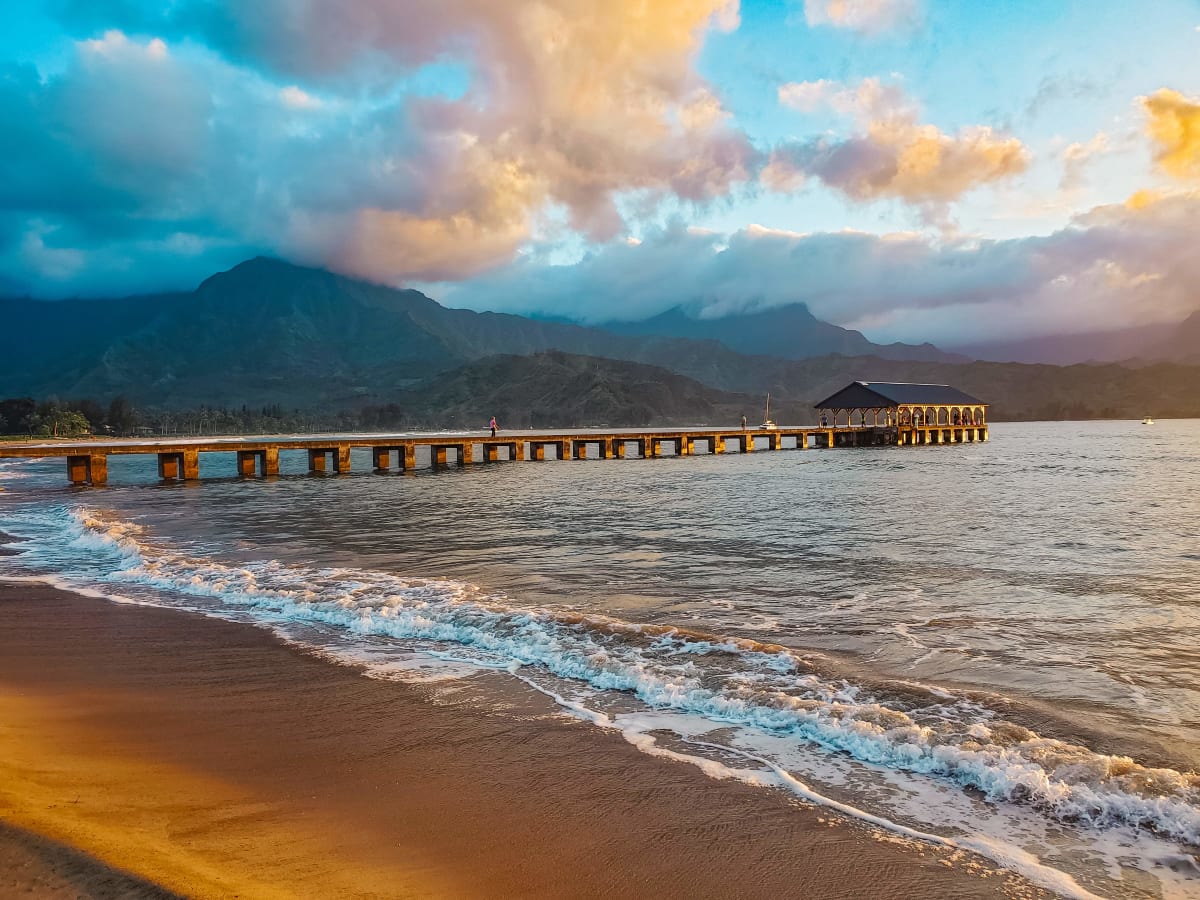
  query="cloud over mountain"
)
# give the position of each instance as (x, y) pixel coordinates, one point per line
(1113, 267)
(563, 105)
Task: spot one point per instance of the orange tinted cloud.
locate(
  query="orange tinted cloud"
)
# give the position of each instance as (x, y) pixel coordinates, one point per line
(894, 155)
(1174, 127)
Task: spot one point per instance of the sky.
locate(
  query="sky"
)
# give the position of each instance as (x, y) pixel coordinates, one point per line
(937, 170)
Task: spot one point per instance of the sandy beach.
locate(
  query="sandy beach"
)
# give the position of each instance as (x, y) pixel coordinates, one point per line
(150, 750)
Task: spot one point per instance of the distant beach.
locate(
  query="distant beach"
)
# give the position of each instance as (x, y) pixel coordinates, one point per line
(191, 755)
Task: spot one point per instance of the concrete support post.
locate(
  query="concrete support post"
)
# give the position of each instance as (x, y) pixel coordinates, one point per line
(829, 438)
(408, 454)
(564, 449)
(168, 466)
(316, 460)
(747, 443)
(537, 452)
(270, 462)
(776, 440)
(718, 445)
(618, 449)
(491, 452)
(985, 434)
(466, 453)
(438, 457)
(579, 449)
(381, 458)
(191, 465)
(246, 460)
(516, 450)
(77, 469)
(341, 459)
(686, 446)
(98, 469)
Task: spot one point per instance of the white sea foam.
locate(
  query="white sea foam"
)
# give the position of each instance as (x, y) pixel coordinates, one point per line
(758, 688)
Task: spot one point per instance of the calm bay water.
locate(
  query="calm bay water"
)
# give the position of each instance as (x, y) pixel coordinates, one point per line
(994, 643)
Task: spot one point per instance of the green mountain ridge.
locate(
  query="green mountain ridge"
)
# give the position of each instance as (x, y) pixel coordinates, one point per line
(267, 333)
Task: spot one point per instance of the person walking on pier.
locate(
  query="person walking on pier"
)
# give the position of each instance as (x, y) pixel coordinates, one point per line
(743, 423)
(492, 425)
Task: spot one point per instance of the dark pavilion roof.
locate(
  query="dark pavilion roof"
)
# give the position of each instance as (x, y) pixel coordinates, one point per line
(879, 394)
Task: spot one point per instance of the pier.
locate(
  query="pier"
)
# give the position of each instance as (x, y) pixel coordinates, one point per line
(863, 414)
(179, 459)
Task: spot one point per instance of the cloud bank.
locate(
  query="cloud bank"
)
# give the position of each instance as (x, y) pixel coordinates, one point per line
(1112, 267)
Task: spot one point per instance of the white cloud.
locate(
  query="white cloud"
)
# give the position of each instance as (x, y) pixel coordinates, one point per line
(294, 98)
(866, 16)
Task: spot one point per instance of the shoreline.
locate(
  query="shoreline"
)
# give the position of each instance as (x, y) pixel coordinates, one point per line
(212, 758)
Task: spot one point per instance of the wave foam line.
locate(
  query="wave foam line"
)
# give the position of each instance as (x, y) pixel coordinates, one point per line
(1003, 854)
(735, 682)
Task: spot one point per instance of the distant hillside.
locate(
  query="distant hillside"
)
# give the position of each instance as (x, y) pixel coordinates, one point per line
(558, 389)
(271, 334)
(562, 390)
(1160, 342)
(1183, 345)
(267, 332)
(789, 332)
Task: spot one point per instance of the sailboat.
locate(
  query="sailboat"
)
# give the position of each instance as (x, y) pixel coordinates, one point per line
(767, 423)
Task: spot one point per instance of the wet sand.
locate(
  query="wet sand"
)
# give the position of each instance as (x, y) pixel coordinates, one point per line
(210, 759)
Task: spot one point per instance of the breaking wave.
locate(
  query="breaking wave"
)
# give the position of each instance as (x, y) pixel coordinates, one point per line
(729, 681)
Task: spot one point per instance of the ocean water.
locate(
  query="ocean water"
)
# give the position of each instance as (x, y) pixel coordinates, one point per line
(995, 646)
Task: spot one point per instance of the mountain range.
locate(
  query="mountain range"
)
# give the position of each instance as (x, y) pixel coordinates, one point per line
(270, 333)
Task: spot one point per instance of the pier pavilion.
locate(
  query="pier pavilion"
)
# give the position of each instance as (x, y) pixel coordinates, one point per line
(904, 414)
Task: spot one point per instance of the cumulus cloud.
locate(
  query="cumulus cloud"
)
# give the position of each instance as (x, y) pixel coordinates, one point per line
(1173, 122)
(894, 155)
(568, 105)
(252, 127)
(865, 16)
(1115, 266)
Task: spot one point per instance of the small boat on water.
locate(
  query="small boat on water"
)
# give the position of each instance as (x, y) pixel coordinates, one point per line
(767, 423)
(1147, 420)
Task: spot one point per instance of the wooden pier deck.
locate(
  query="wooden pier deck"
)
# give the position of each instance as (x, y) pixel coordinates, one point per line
(179, 458)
